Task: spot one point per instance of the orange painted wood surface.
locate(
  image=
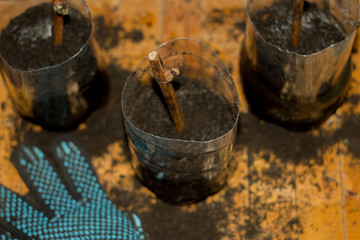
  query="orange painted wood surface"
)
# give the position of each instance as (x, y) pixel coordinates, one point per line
(286, 185)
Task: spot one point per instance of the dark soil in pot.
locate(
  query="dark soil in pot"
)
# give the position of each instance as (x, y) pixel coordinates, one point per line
(319, 29)
(27, 42)
(207, 114)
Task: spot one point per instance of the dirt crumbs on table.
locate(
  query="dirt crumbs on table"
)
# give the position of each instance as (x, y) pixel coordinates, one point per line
(107, 34)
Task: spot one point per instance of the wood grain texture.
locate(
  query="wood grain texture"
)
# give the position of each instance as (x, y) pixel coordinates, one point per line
(180, 19)
(286, 185)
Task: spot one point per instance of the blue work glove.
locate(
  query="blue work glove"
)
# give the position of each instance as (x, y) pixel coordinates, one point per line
(76, 209)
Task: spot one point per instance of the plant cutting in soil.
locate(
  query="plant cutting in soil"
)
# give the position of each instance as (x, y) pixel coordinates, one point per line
(264, 82)
(181, 120)
(56, 86)
(319, 29)
(163, 77)
(296, 22)
(60, 10)
(207, 113)
(27, 41)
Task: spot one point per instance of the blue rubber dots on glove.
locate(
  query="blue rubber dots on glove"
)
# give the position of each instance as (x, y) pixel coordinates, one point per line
(7, 236)
(76, 208)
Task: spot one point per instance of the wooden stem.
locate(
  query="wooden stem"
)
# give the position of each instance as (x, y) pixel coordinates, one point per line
(58, 30)
(296, 22)
(164, 78)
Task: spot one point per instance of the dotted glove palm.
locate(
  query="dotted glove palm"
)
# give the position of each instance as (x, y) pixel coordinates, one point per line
(76, 208)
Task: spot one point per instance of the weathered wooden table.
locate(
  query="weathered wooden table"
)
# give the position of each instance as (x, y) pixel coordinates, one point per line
(287, 185)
